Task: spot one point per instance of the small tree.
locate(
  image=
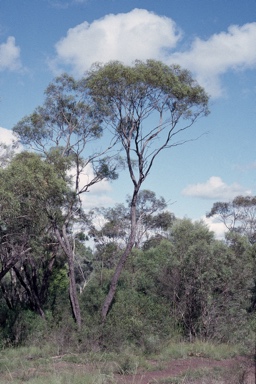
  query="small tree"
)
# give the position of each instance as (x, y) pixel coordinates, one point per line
(148, 106)
(62, 129)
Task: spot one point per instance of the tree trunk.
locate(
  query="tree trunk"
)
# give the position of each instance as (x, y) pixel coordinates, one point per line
(113, 286)
(67, 248)
(73, 292)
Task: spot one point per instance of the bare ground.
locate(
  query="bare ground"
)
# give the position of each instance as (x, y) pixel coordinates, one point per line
(234, 371)
(238, 370)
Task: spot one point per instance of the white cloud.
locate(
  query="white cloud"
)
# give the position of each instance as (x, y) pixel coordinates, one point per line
(91, 200)
(216, 226)
(208, 59)
(138, 34)
(10, 55)
(141, 34)
(215, 188)
(7, 137)
(8, 145)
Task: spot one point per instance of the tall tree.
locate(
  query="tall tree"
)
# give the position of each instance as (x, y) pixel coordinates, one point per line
(148, 106)
(63, 129)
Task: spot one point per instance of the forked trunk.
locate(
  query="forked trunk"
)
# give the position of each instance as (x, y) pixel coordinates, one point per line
(113, 286)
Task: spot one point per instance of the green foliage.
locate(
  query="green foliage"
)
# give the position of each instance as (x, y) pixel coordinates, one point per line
(61, 129)
(127, 363)
(205, 281)
(239, 215)
(151, 220)
(177, 279)
(21, 327)
(128, 96)
(30, 188)
(191, 285)
(58, 294)
(66, 112)
(144, 81)
(31, 194)
(134, 315)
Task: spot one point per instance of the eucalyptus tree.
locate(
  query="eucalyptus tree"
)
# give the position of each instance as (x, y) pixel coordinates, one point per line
(238, 215)
(148, 106)
(31, 191)
(65, 129)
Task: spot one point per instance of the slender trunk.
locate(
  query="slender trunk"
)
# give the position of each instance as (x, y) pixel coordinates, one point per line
(73, 292)
(67, 248)
(113, 286)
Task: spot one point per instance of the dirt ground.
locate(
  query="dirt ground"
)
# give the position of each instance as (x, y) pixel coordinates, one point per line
(236, 371)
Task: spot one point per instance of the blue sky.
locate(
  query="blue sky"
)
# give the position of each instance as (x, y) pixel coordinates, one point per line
(215, 39)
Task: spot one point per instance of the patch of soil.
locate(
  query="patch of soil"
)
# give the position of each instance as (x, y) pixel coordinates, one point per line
(238, 370)
(178, 367)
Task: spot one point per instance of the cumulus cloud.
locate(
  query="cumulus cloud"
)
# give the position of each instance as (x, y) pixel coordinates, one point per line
(138, 34)
(141, 34)
(208, 59)
(10, 55)
(215, 188)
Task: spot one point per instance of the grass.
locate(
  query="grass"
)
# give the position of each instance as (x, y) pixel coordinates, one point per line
(41, 365)
(198, 376)
(174, 350)
(60, 378)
